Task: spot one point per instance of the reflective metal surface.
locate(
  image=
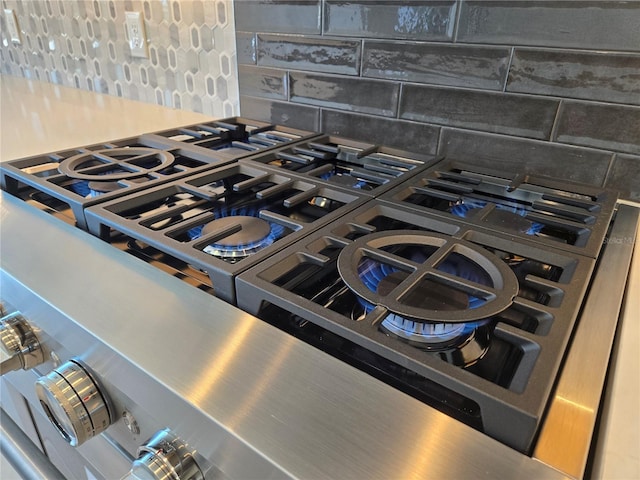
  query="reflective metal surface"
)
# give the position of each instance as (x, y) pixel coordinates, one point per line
(566, 434)
(20, 343)
(22, 454)
(253, 400)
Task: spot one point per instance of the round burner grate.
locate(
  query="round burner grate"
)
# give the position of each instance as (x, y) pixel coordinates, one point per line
(491, 298)
(112, 164)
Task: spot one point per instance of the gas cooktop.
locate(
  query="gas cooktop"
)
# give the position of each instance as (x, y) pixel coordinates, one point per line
(458, 285)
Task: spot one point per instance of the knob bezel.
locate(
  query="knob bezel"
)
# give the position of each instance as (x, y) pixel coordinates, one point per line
(166, 457)
(19, 341)
(75, 402)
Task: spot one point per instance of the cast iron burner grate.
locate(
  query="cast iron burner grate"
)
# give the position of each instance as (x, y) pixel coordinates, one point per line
(455, 314)
(223, 221)
(67, 182)
(559, 214)
(235, 137)
(365, 167)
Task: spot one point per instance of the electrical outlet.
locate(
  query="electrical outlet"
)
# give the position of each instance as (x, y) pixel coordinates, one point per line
(12, 25)
(137, 37)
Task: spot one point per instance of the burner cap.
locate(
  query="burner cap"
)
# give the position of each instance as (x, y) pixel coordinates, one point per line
(431, 295)
(509, 221)
(252, 230)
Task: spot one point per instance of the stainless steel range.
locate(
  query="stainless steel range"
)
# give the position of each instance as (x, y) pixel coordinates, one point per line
(432, 318)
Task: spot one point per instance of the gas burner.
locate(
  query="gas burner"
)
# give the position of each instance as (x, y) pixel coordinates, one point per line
(471, 338)
(440, 294)
(504, 216)
(346, 180)
(440, 259)
(99, 171)
(251, 235)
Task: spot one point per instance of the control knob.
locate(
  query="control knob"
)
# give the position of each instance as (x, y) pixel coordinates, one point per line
(165, 457)
(75, 402)
(19, 343)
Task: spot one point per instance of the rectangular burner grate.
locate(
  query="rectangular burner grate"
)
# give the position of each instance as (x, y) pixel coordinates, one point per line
(367, 168)
(505, 392)
(222, 221)
(559, 214)
(67, 182)
(235, 137)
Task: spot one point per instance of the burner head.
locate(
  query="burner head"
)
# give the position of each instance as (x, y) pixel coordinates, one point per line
(503, 216)
(248, 236)
(345, 180)
(251, 230)
(440, 293)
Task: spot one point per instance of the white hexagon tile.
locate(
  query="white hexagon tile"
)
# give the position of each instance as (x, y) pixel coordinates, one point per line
(84, 44)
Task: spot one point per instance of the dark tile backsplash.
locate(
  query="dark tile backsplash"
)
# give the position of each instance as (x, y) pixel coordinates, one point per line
(610, 25)
(319, 54)
(297, 116)
(346, 93)
(610, 127)
(435, 63)
(547, 87)
(605, 76)
(416, 137)
(263, 82)
(418, 20)
(511, 154)
(281, 16)
(521, 115)
(624, 175)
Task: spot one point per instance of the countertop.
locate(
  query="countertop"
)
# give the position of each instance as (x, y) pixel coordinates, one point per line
(38, 117)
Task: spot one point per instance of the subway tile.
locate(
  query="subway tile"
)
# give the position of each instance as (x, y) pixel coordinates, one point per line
(520, 115)
(345, 93)
(282, 113)
(602, 76)
(246, 48)
(410, 136)
(440, 64)
(517, 155)
(582, 24)
(611, 127)
(418, 20)
(278, 16)
(624, 176)
(318, 54)
(262, 82)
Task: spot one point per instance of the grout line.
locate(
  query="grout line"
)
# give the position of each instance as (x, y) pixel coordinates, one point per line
(361, 58)
(556, 121)
(399, 102)
(456, 25)
(439, 144)
(506, 77)
(609, 168)
(288, 86)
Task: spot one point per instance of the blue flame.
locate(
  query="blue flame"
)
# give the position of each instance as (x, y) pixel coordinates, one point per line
(243, 249)
(372, 273)
(360, 184)
(461, 210)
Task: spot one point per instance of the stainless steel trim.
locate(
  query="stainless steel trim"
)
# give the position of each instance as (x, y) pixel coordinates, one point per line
(22, 454)
(565, 437)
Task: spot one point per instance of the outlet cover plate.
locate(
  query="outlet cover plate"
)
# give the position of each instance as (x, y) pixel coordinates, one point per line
(137, 36)
(12, 25)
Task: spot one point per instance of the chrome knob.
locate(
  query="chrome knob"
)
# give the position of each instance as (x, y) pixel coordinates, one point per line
(74, 402)
(165, 457)
(19, 343)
